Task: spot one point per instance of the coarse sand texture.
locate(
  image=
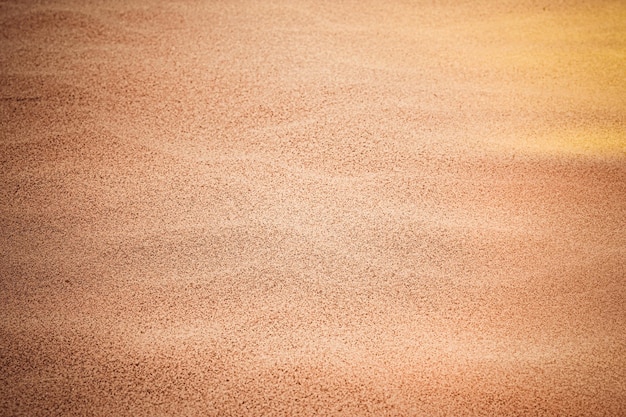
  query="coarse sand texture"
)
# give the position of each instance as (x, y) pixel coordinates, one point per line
(313, 208)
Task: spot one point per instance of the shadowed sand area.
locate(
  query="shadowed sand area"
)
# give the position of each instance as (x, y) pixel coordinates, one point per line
(301, 208)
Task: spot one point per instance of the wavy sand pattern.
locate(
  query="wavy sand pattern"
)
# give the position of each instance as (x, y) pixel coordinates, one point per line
(309, 208)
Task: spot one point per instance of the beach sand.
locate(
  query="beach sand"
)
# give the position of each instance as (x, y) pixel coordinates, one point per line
(300, 208)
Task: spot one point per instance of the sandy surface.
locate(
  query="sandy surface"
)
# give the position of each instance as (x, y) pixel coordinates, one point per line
(303, 208)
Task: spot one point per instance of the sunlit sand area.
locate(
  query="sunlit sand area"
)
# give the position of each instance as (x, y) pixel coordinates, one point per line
(299, 208)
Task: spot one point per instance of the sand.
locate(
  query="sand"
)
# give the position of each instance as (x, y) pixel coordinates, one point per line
(301, 208)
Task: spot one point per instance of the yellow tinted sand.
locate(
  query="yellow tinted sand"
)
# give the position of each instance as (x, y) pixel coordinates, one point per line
(600, 142)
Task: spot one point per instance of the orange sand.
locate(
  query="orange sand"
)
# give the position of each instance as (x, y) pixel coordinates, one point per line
(301, 208)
